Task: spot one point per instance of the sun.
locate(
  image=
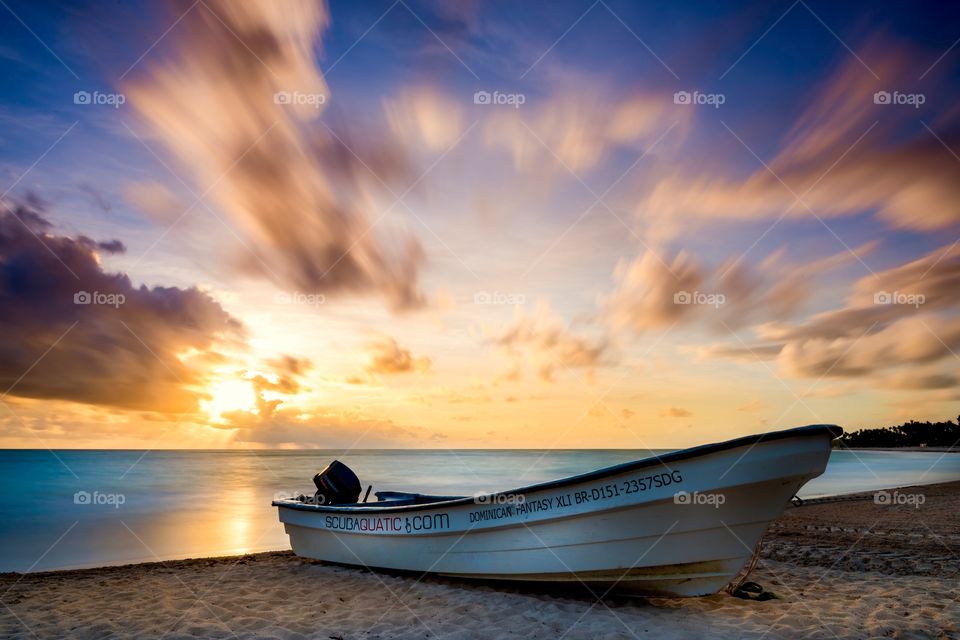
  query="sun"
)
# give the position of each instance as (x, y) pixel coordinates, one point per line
(228, 395)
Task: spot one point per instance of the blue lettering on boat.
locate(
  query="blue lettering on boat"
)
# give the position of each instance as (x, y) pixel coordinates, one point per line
(370, 524)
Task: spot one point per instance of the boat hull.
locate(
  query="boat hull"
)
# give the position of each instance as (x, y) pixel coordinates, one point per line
(677, 525)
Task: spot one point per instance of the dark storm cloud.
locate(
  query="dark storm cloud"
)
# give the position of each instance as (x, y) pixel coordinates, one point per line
(71, 331)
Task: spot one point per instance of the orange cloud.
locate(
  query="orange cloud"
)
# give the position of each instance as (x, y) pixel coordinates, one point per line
(657, 292)
(542, 340)
(903, 316)
(579, 128)
(236, 103)
(909, 341)
(846, 154)
(388, 357)
(426, 117)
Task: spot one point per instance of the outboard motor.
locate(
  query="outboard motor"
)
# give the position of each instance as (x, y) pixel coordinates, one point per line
(337, 484)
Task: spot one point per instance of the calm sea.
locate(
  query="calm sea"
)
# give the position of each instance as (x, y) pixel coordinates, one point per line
(66, 509)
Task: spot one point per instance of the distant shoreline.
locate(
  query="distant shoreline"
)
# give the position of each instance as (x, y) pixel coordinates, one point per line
(931, 449)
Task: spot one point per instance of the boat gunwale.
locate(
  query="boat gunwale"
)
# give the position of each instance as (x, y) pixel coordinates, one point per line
(683, 454)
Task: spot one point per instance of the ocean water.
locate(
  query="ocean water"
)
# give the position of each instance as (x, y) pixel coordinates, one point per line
(65, 509)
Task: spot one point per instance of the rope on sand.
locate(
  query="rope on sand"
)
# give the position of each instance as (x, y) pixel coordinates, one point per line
(796, 501)
(740, 579)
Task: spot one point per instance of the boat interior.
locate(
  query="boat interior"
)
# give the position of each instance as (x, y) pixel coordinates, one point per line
(398, 498)
(386, 499)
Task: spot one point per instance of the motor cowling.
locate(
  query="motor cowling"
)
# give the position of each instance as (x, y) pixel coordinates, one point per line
(337, 484)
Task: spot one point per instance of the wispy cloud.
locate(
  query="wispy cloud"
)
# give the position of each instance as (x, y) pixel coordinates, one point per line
(388, 357)
(656, 292)
(902, 316)
(858, 147)
(236, 102)
(541, 339)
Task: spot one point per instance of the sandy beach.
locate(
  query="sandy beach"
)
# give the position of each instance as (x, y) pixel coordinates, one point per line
(841, 568)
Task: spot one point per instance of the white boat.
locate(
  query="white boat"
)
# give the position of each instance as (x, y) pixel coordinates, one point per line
(684, 524)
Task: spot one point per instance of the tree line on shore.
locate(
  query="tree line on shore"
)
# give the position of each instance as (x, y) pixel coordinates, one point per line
(908, 434)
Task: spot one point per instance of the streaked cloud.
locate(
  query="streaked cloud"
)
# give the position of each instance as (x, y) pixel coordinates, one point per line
(656, 291)
(237, 102)
(386, 356)
(577, 129)
(849, 152)
(902, 316)
(426, 117)
(918, 380)
(910, 341)
(541, 340)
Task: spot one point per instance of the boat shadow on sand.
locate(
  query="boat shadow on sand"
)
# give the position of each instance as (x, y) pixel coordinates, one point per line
(403, 582)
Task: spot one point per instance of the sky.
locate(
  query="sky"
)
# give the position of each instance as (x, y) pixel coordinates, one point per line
(474, 224)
